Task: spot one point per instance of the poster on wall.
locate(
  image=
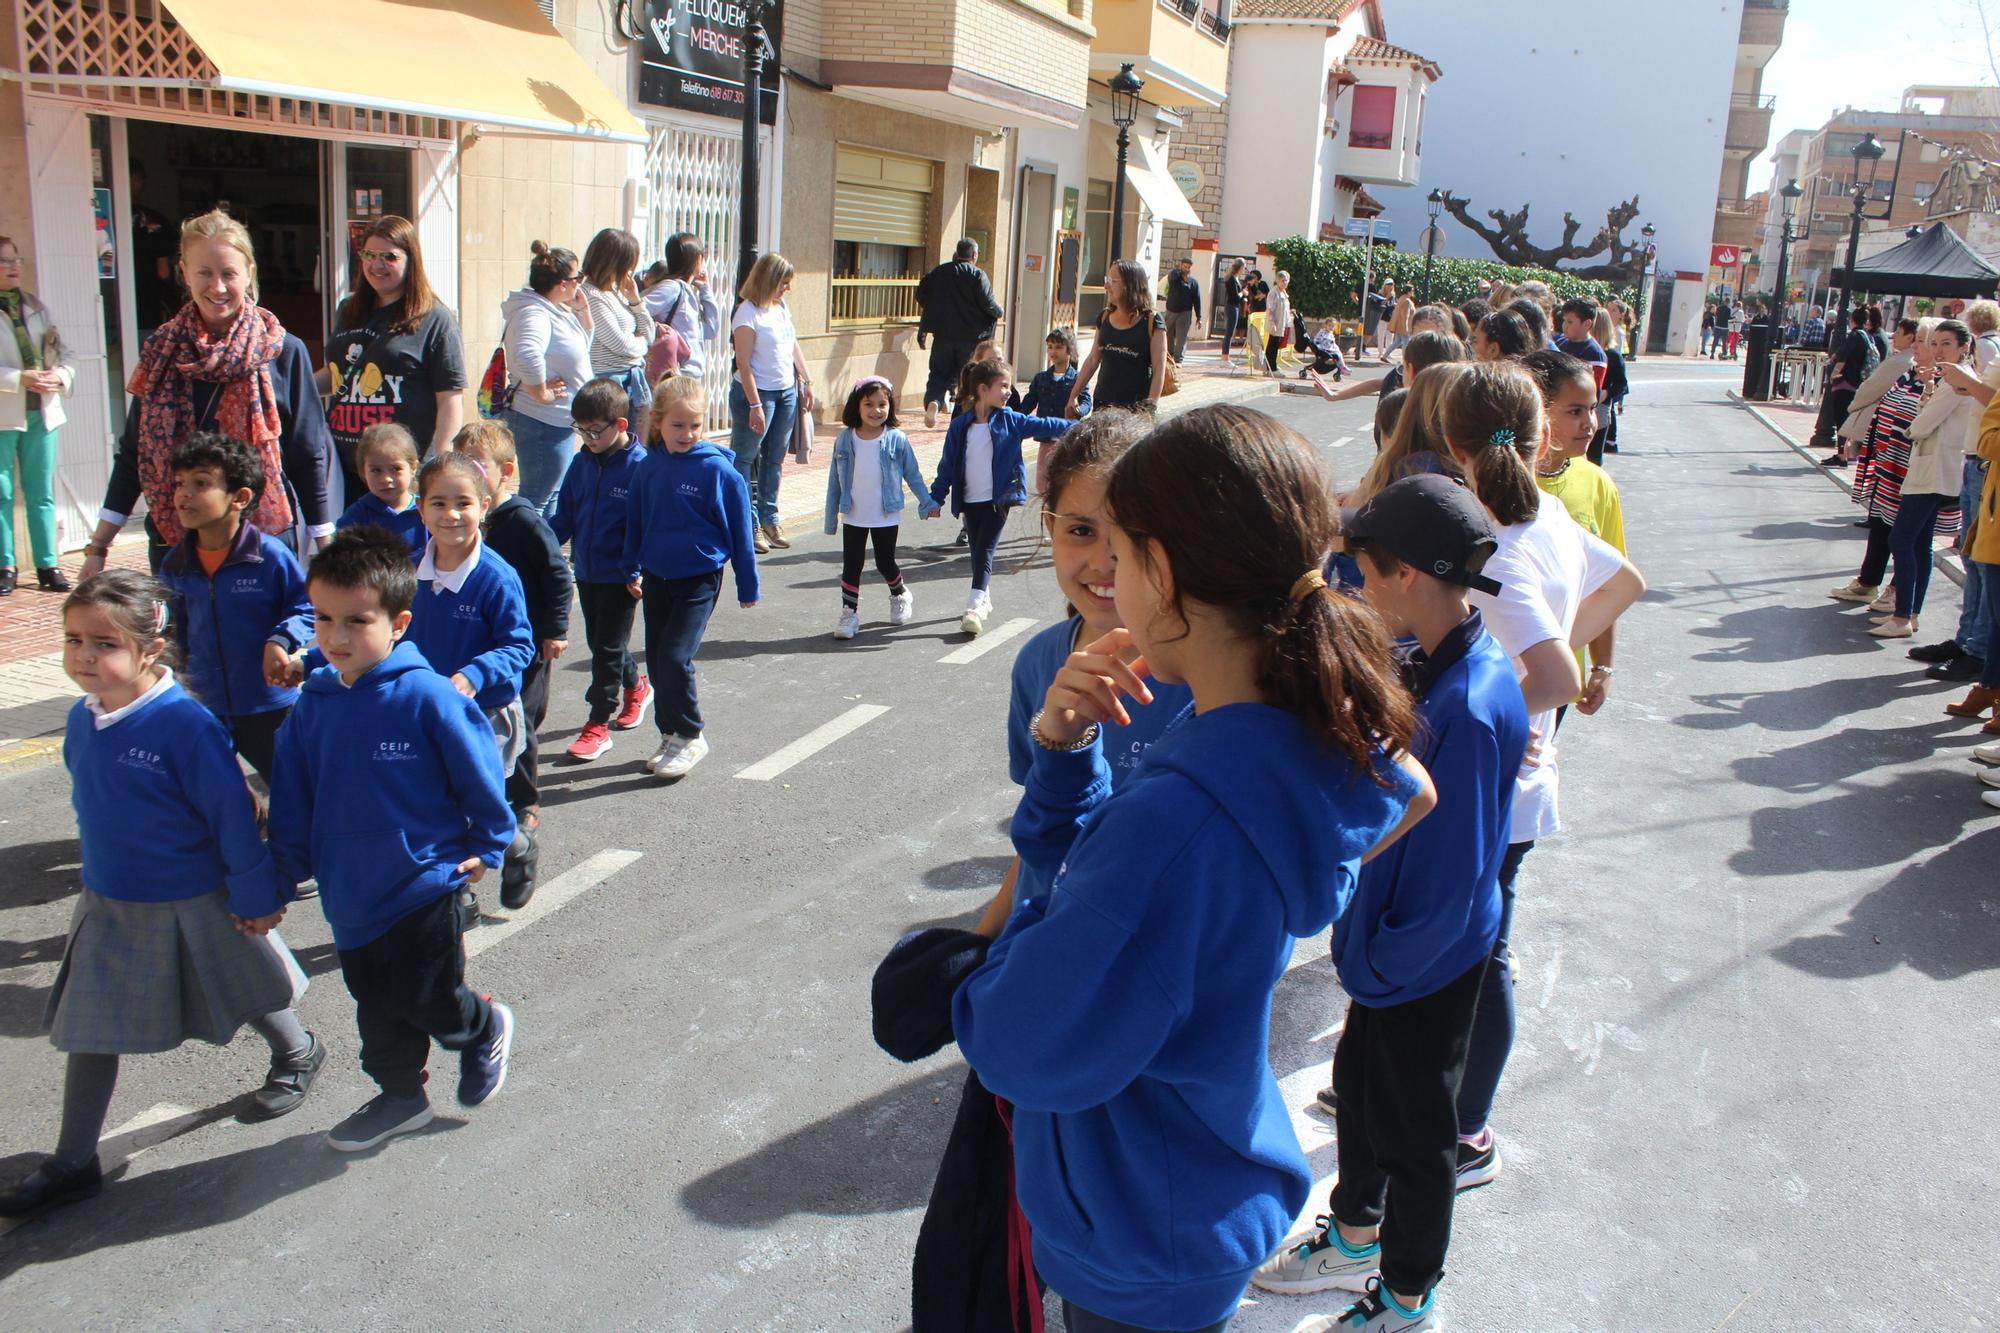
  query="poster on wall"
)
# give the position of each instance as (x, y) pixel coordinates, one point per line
(692, 56)
(107, 250)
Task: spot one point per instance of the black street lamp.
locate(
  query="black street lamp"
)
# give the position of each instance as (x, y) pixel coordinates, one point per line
(1125, 88)
(1434, 205)
(1645, 281)
(1869, 150)
(1791, 195)
(753, 115)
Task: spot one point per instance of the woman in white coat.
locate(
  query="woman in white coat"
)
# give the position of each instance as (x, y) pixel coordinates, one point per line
(33, 379)
(1938, 440)
(1853, 432)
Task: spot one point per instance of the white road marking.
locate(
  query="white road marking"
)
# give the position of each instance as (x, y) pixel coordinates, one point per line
(148, 1129)
(810, 744)
(551, 897)
(1345, 439)
(987, 642)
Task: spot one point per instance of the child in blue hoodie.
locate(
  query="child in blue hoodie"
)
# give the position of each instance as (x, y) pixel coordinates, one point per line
(592, 510)
(982, 471)
(1413, 944)
(241, 595)
(388, 457)
(872, 463)
(390, 792)
(689, 516)
(171, 938)
(1126, 1014)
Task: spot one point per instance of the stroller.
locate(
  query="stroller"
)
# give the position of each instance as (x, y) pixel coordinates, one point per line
(1326, 357)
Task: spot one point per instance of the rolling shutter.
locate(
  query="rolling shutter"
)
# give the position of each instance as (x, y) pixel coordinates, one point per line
(881, 200)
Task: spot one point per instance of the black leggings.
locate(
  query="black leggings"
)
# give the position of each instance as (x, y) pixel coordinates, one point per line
(1875, 560)
(1271, 346)
(984, 522)
(854, 549)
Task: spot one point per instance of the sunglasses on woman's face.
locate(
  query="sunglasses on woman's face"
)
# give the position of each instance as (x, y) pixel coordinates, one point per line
(383, 256)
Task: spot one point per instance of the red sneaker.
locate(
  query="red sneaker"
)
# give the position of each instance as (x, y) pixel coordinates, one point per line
(637, 700)
(592, 744)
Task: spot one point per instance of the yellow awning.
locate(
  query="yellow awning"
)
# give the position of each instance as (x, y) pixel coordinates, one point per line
(492, 62)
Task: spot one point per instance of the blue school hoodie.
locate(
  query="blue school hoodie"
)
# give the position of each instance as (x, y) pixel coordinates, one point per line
(1127, 1015)
(1010, 480)
(161, 809)
(258, 596)
(481, 630)
(690, 516)
(592, 511)
(382, 789)
(406, 523)
(1428, 909)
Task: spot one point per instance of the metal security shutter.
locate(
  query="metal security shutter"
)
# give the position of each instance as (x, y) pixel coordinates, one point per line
(881, 200)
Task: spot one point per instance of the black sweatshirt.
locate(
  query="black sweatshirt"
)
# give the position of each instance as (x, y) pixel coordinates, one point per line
(517, 531)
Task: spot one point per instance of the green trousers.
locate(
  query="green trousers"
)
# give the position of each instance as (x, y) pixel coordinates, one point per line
(30, 453)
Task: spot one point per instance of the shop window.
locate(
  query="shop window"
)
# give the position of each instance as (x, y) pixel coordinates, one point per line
(1097, 246)
(881, 235)
(1373, 124)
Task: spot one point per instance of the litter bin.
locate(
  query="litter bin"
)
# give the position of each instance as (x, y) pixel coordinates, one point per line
(1757, 363)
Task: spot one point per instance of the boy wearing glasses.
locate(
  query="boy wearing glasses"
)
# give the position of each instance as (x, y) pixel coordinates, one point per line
(518, 534)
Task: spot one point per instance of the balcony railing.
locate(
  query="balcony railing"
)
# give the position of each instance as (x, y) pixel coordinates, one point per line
(1767, 4)
(1204, 15)
(875, 300)
(1752, 102)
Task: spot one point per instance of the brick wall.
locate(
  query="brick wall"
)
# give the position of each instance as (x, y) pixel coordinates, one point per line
(1199, 140)
(1018, 43)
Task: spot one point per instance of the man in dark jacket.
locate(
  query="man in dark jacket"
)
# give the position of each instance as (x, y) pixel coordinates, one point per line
(958, 313)
(1183, 308)
(1852, 362)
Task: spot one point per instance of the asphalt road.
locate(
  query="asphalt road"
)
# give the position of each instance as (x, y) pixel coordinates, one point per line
(1759, 994)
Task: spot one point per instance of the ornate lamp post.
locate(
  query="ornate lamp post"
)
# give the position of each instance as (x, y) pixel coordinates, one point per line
(1791, 195)
(1869, 150)
(1125, 88)
(1434, 204)
(1645, 283)
(753, 115)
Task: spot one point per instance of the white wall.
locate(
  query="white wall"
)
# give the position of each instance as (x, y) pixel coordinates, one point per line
(1277, 124)
(1495, 131)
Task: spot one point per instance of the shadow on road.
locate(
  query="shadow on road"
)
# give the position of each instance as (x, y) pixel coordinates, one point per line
(1861, 829)
(974, 872)
(1807, 707)
(876, 1156)
(1800, 530)
(29, 874)
(1785, 634)
(1937, 916)
(1828, 761)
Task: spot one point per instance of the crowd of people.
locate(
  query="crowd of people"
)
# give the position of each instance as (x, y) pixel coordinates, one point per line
(1402, 655)
(1914, 418)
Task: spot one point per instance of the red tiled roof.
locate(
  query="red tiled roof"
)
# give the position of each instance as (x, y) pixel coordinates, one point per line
(1327, 11)
(1364, 202)
(1374, 48)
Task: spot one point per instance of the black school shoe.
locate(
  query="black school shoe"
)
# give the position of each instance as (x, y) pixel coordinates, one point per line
(288, 1083)
(50, 1186)
(1935, 652)
(1961, 668)
(52, 580)
(517, 870)
(8, 582)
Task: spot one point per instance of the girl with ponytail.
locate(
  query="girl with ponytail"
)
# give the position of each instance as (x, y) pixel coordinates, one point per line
(1125, 1012)
(1560, 588)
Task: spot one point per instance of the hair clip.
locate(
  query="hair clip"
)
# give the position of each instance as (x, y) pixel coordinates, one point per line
(1502, 436)
(159, 617)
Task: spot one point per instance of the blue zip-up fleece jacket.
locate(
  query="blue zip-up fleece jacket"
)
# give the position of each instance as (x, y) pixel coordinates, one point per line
(407, 523)
(1428, 909)
(481, 630)
(382, 789)
(1010, 482)
(593, 510)
(222, 624)
(691, 515)
(1127, 1014)
(899, 469)
(1048, 394)
(161, 809)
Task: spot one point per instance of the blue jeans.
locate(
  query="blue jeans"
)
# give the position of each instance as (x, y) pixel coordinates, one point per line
(1493, 1022)
(1975, 616)
(677, 612)
(1910, 546)
(984, 522)
(543, 453)
(761, 458)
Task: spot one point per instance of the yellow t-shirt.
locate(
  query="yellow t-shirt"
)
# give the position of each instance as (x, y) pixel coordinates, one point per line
(1591, 497)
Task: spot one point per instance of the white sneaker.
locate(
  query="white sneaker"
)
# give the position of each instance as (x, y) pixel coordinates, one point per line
(1886, 602)
(902, 607)
(973, 622)
(849, 623)
(1990, 776)
(670, 748)
(1855, 591)
(1987, 754)
(691, 753)
(930, 416)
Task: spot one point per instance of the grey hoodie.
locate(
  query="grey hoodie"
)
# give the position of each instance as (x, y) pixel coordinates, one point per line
(544, 341)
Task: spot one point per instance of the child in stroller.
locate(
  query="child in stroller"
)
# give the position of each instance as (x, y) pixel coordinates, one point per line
(1325, 351)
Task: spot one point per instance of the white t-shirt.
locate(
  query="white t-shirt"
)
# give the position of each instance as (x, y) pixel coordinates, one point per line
(865, 495)
(1545, 569)
(771, 354)
(978, 463)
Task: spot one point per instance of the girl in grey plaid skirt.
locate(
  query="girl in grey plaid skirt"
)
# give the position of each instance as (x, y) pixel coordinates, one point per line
(171, 935)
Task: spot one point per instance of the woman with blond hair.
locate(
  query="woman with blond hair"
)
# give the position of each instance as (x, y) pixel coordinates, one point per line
(770, 389)
(222, 363)
(395, 354)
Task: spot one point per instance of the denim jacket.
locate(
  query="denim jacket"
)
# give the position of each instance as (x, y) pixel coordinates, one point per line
(899, 466)
(1048, 395)
(1010, 482)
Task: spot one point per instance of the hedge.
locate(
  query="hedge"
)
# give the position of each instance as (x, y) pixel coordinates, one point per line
(1326, 277)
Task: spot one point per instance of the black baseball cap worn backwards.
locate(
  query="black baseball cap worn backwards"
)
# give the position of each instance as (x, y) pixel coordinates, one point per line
(1431, 522)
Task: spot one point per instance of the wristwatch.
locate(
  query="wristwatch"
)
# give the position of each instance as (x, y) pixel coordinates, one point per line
(101, 552)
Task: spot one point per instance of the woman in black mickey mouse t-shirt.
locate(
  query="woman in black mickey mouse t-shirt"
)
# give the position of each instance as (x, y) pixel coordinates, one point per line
(395, 354)
(1129, 359)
